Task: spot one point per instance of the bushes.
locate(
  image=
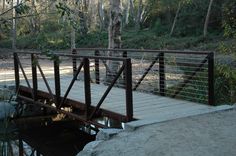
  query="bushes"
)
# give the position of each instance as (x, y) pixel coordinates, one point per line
(225, 83)
(229, 18)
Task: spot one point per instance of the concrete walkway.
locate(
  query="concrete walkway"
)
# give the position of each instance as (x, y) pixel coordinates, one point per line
(211, 134)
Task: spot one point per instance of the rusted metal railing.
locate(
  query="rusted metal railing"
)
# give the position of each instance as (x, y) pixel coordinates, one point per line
(56, 95)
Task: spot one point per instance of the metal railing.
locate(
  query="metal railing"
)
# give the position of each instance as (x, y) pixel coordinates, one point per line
(187, 75)
(58, 93)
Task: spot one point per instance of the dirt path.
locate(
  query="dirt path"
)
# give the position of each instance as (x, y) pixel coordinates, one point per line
(204, 135)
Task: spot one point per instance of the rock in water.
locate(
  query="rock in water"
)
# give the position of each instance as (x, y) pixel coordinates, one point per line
(6, 110)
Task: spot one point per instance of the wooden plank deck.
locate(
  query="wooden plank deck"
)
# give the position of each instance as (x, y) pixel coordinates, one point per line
(146, 106)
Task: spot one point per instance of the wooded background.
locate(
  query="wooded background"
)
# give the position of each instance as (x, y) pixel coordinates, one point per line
(61, 24)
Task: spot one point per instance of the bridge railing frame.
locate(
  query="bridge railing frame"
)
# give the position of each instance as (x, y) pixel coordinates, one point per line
(59, 100)
(209, 59)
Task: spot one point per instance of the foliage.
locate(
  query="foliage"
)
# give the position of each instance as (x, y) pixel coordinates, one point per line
(225, 83)
(229, 19)
(22, 9)
(194, 90)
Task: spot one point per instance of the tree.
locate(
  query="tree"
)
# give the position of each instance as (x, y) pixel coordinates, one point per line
(101, 14)
(73, 44)
(207, 18)
(115, 24)
(14, 17)
(139, 13)
(114, 36)
(3, 5)
(83, 11)
(175, 19)
(34, 20)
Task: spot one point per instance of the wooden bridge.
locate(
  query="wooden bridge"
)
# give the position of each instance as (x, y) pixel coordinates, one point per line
(129, 85)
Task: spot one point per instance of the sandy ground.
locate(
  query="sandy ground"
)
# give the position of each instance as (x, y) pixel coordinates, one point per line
(204, 135)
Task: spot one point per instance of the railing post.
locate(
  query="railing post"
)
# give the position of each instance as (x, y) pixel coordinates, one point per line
(97, 72)
(74, 62)
(34, 76)
(17, 76)
(211, 94)
(21, 148)
(87, 89)
(124, 55)
(57, 81)
(162, 74)
(128, 89)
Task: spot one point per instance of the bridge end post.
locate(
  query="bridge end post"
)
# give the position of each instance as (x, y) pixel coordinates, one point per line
(128, 89)
(57, 81)
(87, 88)
(211, 94)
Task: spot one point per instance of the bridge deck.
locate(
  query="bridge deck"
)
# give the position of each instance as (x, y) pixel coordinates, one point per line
(146, 106)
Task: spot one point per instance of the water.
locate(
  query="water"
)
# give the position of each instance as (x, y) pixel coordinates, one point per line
(61, 138)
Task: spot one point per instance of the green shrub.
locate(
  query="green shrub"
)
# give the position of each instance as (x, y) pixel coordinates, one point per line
(225, 81)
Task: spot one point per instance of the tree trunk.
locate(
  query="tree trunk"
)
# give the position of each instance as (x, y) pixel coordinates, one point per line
(127, 12)
(115, 24)
(14, 16)
(3, 5)
(73, 44)
(92, 18)
(207, 18)
(175, 20)
(34, 19)
(138, 18)
(83, 17)
(114, 36)
(131, 10)
(101, 13)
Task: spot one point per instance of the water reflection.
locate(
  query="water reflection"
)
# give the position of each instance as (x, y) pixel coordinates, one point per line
(54, 139)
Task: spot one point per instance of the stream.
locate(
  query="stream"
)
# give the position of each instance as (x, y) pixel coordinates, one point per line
(44, 139)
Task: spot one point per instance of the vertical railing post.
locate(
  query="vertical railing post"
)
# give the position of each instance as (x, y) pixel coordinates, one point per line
(128, 89)
(21, 146)
(17, 75)
(124, 55)
(34, 76)
(87, 89)
(162, 74)
(74, 62)
(211, 94)
(57, 81)
(97, 72)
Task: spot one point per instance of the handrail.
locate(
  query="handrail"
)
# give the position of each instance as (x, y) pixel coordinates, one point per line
(147, 50)
(77, 56)
(122, 50)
